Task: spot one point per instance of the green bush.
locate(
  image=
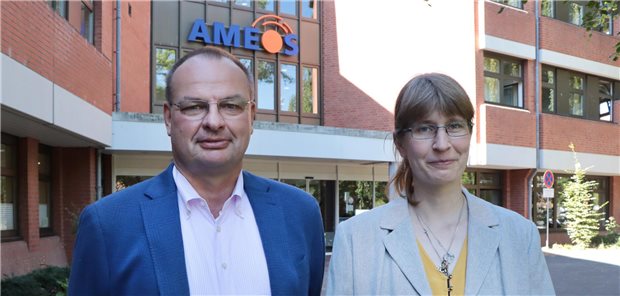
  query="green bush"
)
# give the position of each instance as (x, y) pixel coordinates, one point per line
(51, 280)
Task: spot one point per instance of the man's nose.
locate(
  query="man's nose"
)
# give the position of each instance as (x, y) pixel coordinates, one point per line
(213, 119)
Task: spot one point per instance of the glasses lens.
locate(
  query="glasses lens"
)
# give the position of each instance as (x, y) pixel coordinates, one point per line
(231, 107)
(193, 109)
(423, 131)
(457, 129)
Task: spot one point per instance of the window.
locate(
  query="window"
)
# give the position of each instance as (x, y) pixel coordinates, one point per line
(309, 9)
(557, 213)
(45, 190)
(575, 94)
(288, 88)
(503, 81)
(245, 3)
(309, 91)
(266, 72)
(548, 90)
(356, 197)
(8, 187)
(164, 60)
(288, 7)
(123, 182)
(513, 3)
(265, 5)
(484, 184)
(60, 7)
(605, 100)
(575, 12)
(87, 26)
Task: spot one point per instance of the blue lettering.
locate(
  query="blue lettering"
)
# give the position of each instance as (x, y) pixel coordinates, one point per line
(250, 40)
(230, 38)
(291, 47)
(199, 31)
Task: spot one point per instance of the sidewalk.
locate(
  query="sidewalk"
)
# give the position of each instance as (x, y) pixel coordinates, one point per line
(584, 272)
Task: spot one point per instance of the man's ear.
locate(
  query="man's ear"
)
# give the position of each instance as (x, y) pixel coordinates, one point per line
(167, 117)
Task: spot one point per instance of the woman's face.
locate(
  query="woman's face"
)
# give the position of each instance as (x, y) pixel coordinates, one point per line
(441, 159)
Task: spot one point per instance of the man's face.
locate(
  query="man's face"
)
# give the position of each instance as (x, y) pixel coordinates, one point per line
(214, 143)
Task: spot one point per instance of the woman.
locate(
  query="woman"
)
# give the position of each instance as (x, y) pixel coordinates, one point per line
(439, 239)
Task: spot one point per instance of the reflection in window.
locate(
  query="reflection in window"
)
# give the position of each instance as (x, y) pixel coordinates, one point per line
(266, 73)
(503, 81)
(45, 186)
(547, 8)
(8, 187)
(605, 100)
(59, 6)
(513, 3)
(288, 88)
(575, 98)
(246, 3)
(491, 89)
(484, 184)
(87, 25)
(288, 7)
(309, 8)
(310, 79)
(248, 65)
(548, 90)
(575, 13)
(123, 182)
(355, 197)
(265, 5)
(164, 59)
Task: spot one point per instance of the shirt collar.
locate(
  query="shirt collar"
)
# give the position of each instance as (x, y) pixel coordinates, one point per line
(189, 195)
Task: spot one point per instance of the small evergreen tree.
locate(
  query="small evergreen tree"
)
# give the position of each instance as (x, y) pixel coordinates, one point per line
(582, 208)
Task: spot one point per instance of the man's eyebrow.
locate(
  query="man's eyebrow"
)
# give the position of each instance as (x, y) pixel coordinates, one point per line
(233, 97)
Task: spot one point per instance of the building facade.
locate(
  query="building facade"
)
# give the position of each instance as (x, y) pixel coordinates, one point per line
(77, 125)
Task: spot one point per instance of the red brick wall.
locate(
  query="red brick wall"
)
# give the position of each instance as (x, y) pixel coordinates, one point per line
(28, 204)
(135, 56)
(515, 191)
(41, 40)
(18, 260)
(345, 105)
(512, 24)
(573, 40)
(79, 186)
(589, 136)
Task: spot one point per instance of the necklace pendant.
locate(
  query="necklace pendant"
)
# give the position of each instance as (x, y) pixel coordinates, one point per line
(444, 268)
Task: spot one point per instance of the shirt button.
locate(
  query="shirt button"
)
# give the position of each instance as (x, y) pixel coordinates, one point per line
(224, 265)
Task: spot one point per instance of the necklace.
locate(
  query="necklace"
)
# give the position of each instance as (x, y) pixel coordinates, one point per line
(448, 257)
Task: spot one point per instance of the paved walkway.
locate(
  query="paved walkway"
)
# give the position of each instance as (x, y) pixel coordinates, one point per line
(584, 272)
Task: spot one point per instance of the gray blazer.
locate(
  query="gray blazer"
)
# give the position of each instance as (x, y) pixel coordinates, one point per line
(375, 253)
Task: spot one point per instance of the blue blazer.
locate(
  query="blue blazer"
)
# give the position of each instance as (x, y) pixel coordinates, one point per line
(130, 243)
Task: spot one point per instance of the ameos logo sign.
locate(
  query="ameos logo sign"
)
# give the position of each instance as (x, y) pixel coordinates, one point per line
(272, 35)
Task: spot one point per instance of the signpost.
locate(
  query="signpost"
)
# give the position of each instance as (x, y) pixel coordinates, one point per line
(548, 180)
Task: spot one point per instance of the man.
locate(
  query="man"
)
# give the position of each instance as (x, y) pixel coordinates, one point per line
(202, 226)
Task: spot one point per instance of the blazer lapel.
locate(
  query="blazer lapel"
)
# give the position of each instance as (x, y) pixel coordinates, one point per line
(400, 243)
(160, 213)
(483, 240)
(270, 221)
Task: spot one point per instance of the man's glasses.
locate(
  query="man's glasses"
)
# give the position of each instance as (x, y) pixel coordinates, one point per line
(198, 109)
(454, 129)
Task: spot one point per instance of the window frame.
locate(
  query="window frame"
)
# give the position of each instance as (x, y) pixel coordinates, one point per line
(281, 85)
(87, 30)
(60, 7)
(478, 186)
(503, 78)
(13, 234)
(607, 30)
(47, 177)
(507, 3)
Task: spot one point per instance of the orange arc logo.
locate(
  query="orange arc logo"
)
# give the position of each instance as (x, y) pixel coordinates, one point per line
(271, 40)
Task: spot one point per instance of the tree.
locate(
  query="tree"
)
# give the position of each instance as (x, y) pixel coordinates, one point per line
(582, 208)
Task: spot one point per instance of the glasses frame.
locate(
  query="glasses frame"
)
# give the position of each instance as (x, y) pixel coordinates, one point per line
(245, 103)
(436, 128)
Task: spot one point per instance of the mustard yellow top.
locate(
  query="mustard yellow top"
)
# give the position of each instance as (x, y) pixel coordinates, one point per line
(438, 280)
